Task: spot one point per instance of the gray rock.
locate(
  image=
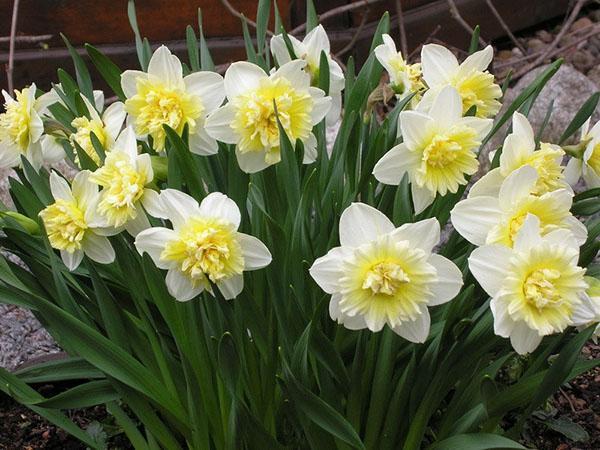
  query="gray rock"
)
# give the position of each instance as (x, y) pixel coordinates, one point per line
(568, 88)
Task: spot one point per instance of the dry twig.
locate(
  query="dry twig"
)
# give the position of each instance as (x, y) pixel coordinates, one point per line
(455, 13)
(240, 16)
(27, 39)
(403, 42)
(356, 35)
(11, 48)
(336, 12)
(504, 26)
(549, 50)
(594, 29)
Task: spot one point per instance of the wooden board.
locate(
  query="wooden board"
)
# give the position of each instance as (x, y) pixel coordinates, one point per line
(421, 19)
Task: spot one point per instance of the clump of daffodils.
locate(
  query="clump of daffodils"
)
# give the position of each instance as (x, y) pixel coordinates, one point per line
(389, 264)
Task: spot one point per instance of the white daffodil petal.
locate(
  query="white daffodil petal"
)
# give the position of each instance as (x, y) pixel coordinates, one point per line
(218, 124)
(394, 164)
(487, 185)
(129, 80)
(98, 248)
(573, 171)
(327, 270)
(231, 287)
(447, 107)
(71, 260)
(517, 186)
(113, 118)
(360, 223)
(424, 234)
(437, 63)
(178, 206)
(449, 280)
(220, 206)
(242, 77)
(489, 265)
(60, 188)
(256, 254)
(180, 287)
(523, 339)
(421, 198)
(208, 86)
(415, 331)
(166, 67)
(474, 217)
(152, 241)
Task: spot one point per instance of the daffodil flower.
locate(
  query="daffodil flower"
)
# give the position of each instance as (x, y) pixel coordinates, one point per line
(21, 129)
(382, 275)
(438, 149)
(73, 224)
(589, 166)
(124, 179)
(405, 78)
(497, 220)
(106, 128)
(519, 150)
(256, 100)
(309, 50)
(470, 78)
(204, 246)
(537, 289)
(163, 96)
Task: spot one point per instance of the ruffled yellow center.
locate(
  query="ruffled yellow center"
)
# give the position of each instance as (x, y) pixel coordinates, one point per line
(545, 208)
(386, 281)
(156, 104)
(123, 186)
(446, 158)
(255, 119)
(205, 249)
(539, 288)
(545, 287)
(385, 278)
(547, 162)
(65, 225)
(405, 78)
(84, 128)
(16, 120)
(478, 89)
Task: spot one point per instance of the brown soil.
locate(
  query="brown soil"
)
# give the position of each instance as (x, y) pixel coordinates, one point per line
(22, 429)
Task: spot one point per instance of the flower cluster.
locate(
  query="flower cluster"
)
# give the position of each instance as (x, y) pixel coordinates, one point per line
(518, 214)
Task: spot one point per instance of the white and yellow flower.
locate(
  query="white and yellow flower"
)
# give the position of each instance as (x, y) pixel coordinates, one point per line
(21, 129)
(73, 224)
(438, 151)
(204, 246)
(497, 220)
(106, 128)
(470, 78)
(537, 289)
(588, 166)
(124, 179)
(309, 50)
(519, 150)
(255, 100)
(163, 96)
(385, 275)
(405, 78)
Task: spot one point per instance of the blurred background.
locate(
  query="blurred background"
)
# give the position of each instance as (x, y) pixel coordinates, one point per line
(39, 49)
